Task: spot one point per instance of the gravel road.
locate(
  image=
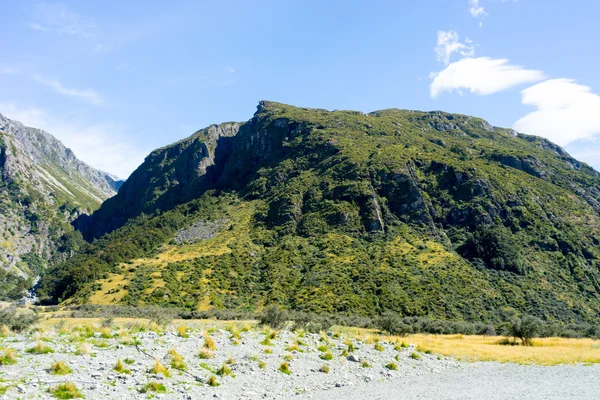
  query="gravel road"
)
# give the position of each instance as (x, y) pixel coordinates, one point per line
(489, 381)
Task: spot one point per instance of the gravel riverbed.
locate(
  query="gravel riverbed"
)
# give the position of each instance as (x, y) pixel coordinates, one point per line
(366, 371)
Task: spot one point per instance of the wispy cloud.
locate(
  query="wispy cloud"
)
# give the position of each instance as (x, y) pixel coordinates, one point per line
(477, 11)
(89, 96)
(55, 17)
(482, 76)
(103, 146)
(565, 111)
(448, 43)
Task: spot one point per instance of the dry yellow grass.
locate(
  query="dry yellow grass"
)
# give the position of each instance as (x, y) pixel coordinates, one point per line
(547, 351)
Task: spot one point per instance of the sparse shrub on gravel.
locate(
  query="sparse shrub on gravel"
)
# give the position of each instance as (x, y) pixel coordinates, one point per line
(365, 364)
(83, 349)
(16, 319)
(205, 354)
(378, 347)
(120, 367)
(40, 348)
(267, 351)
(159, 368)
(60, 368)
(224, 370)
(177, 360)
(182, 332)
(415, 356)
(324, 368)
(392, 366)
(66, 390)
(209, 343)
(327, 356)
(8, 358)
(285, 368)
(288, 357)
(323, 348)
(153, 387)
(129, 361)
(212, 381)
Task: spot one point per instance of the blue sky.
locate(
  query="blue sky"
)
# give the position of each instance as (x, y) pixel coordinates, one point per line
(114, 80)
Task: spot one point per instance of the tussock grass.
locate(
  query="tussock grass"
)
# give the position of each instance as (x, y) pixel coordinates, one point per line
(378, 347)
(288, 357)
(5, 331)
(83, 349)
(392, 366)
(60, 368)
(177, 361)
(224, 370)
(415, 356)
(182, 332)
(120, 367)
(40, 348)
(8, 358)
(160, 368)
(365, 364)
(209, 343)
(205, 354)
(327, 356)
(154, 387)
(66, 390)
(212, 381)
(285, 368)
(324, 368)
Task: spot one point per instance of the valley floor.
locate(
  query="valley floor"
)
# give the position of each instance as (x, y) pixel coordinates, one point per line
(132, 359)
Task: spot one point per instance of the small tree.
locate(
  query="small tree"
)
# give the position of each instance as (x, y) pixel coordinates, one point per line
(525, 328)
(392, 323)
(490, 331)
(274, 317)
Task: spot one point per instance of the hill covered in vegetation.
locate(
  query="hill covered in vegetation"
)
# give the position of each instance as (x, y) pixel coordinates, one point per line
(422, 213)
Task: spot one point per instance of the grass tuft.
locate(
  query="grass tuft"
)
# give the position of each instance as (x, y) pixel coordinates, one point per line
(212, 381)
(324, 368)
(285, 368)
(224, 370)
(160, 368)
(60, 368)
(154, 387)
(392, 366)
(40, 348)
(120, 367)
(8, 358)
(66, 390)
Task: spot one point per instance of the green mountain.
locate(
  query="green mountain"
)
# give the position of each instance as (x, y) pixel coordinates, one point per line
(43, 187)
(424, 213)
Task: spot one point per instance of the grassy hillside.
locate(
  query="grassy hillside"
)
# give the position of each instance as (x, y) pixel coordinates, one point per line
(426, 214)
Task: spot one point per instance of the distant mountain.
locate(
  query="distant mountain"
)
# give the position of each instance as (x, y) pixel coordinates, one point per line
(424, 213)
(43, 187)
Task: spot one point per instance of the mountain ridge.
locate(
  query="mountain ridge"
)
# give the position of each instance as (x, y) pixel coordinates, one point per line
(423, 213)
(43, 186)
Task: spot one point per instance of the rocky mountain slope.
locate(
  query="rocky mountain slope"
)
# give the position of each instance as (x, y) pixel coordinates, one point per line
(43, 186)
(424, 213)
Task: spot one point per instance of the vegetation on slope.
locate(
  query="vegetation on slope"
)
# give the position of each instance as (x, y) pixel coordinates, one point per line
(425, 214)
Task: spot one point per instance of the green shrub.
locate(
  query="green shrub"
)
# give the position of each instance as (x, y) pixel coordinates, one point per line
(154, 387)
(274, 317)
(66, 390)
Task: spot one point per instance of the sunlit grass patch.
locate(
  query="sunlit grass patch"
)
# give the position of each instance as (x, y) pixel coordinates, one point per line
(66, 390)
(60, 368)
(154, 387)
(39, 348)
(8, 358)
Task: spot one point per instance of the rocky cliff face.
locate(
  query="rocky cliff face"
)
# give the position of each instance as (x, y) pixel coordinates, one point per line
(43, 186)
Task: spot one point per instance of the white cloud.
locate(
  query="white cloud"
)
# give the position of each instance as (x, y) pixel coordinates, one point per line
(447, 43)
(482, 76)
(59, 19)
(476, 9)
(229, 70)
(565, 111)
(99, 145)
(86, 95)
